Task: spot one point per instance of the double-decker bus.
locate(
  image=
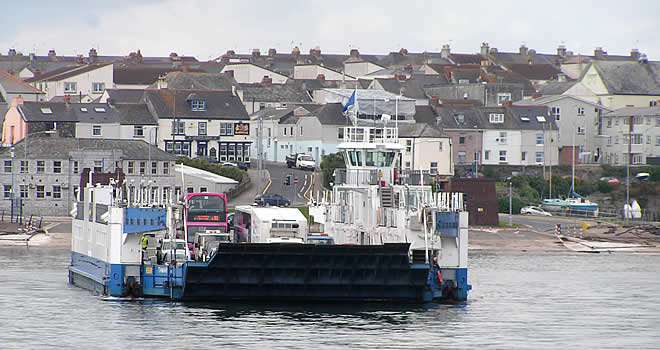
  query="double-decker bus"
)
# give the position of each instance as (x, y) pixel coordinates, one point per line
(205, 213)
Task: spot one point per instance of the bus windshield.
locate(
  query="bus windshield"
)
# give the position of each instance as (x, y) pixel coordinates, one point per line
(207, 208)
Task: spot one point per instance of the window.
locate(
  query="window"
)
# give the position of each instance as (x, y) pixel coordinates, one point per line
(178, 127)
(98, 166)
(24, 191)
(609, 122)
(555, 112)
(57, 192)
(7, 191)
(486, 155)
(539, 157)
(503, 96)
(461, 139)
(340, 133)
(25, 166)
(292, 131)
(502, 156)
(41, 193)
(41, 166)
(539, 139)
(657, 121)
(201, 128)
(8, 166)
(262, 106)
(154, 168)
(99, 109)
(460, 118)
(46, 110)
(408, 146)
(580, 130)
(638, 158)
(461, 157)
(648, 120)
(434, 168)
(70, 87)
(637, 139)
(190, 190)
(616, 121)
(616, 140)
(96, 130)
(227, 129)
(648, 139)
(440, 146)
(524, 118)
(75, 167)
(138, 131)
(657, 142)
(408, 165)
(580, 111)
(284, 131)
(143, 168)
(502, 138)
(166, 168)
(496, 118)
(98, 88)
(523, 156)
(57, 166)
(198, 105)
(301, 131)
(540, 119)
(131, 167)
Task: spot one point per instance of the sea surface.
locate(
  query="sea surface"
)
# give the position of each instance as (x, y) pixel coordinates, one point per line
(518, 301)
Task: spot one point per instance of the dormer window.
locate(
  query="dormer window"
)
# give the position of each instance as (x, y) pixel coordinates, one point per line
(524, 118)
(540, 119)
(496, 118)
(460, 118)
(197, 105)
(46, 110)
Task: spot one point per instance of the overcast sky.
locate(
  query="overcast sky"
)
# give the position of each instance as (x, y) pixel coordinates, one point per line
(207, 28)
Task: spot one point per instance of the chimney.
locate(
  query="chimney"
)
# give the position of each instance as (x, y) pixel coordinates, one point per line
(32, 56)
(434, 101)
(444, 53)
(599, 53)
(92, 55)
(272, 52)
(408, 69)
(634, 53)
(162, 83)
(493, 50)
(522, 50)
(52, 55)
(403, 51)
(17, 101)
(230, 73)
(186, 69)
(535, 96)
(295, 52)
(643, 59)
(320, 77)
(531, 52)
(316, 52)
(174, 56)
(507, 103)
(256, 53)
(67, 101)
(400, 77)
(80, 59)
(561, 77)
(561, 51)
(355, 54)
(266, 81)
(484, 49)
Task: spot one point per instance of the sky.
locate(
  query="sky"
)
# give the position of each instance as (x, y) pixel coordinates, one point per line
(206, 28)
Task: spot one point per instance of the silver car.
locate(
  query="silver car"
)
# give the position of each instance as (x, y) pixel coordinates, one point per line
(532, 210)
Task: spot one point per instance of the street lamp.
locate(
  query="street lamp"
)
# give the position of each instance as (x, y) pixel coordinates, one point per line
(510, 201)
(11, 193)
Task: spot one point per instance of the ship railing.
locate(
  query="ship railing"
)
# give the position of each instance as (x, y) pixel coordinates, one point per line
(449, 201)
(415, 177)
(356, 176)
(371, 134)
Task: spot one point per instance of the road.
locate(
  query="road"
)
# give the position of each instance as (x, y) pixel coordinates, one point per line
(294, 192)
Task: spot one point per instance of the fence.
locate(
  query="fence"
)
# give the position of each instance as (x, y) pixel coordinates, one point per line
(15, 214)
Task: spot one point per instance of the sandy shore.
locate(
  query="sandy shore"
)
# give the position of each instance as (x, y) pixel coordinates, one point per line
(56, 232)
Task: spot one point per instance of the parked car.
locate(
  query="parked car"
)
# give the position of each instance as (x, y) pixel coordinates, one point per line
(609, 179)
(532, 210)
(272, 199)
(319, 239)
(240, 165)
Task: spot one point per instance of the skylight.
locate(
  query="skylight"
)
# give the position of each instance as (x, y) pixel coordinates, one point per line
(46, 110)
(99, 109)
(524, 118)
(83, 109)
(540, 119)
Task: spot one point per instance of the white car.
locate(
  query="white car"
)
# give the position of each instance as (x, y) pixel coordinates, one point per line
(531, 210)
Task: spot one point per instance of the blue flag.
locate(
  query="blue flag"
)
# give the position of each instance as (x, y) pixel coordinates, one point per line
(351, 102)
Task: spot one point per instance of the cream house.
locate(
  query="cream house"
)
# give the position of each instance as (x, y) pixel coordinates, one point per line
(85, 82)
(623, 84)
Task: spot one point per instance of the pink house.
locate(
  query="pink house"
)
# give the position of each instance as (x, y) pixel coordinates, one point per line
(14, 127)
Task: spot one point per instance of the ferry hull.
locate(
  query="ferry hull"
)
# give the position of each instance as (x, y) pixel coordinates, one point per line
(303, 272)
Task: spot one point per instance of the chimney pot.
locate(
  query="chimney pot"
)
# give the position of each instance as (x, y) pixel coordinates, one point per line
(266, 81)
(484, 49)
(272, 52)
(522, 50)
(320, 77)
(256, 53)
(561, 51)
(295, 52)
(634, 53)
(444, 53)
(403, 51)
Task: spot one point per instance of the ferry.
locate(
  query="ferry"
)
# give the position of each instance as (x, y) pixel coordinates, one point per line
(392, 240)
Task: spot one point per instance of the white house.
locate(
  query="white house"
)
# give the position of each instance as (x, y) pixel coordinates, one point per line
(251, 73)
(87, 81)
(312, 71)
(644, 134)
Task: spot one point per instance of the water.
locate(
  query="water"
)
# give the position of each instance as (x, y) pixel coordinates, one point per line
(519, 301)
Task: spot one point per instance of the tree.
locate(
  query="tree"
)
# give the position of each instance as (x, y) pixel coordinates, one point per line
(329, 163)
